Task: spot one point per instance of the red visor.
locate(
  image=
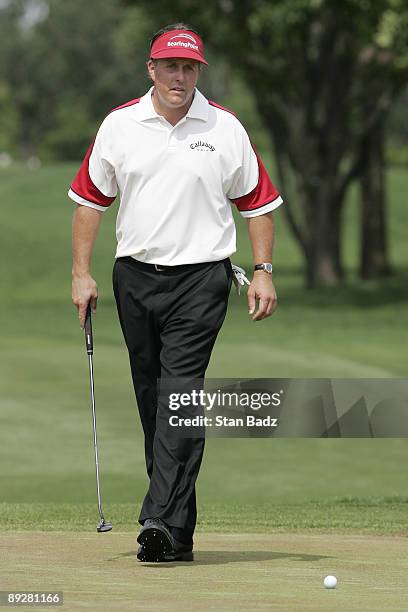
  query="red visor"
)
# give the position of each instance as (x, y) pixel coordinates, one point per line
(178, 43)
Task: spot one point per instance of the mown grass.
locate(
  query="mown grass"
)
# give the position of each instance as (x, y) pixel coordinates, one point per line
(349, 515)
(46, 453)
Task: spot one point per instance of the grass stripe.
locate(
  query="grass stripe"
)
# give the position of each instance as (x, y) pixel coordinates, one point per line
(382, 515)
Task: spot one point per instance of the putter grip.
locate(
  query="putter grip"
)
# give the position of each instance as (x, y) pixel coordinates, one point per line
(88, 331)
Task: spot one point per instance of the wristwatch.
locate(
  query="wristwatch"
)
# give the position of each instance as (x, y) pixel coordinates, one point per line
(266, 267)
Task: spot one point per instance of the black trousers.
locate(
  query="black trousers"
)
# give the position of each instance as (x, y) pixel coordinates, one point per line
(170, 320)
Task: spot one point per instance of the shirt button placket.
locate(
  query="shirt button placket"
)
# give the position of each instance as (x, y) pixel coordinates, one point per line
(171, 142)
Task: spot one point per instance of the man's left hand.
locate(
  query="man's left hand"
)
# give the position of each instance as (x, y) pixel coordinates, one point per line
(262, 289)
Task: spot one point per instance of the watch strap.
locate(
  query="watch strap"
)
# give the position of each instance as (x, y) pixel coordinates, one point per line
(266, 267)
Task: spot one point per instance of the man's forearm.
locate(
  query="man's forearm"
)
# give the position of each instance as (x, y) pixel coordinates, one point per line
(85, 225)
(261, 232)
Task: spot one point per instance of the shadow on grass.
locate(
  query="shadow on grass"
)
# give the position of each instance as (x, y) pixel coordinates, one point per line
(220, 557)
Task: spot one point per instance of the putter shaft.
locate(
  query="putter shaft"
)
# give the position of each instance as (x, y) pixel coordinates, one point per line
(98, 489)
(103, 525)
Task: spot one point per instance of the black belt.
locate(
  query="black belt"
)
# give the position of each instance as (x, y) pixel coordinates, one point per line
(159, 268)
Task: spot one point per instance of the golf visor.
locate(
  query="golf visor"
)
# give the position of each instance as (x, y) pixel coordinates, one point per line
(178, 43)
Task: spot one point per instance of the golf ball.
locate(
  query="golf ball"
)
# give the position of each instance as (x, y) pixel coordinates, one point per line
(330, 582)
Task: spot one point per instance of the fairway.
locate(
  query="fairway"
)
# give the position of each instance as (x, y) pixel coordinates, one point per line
(230, 572)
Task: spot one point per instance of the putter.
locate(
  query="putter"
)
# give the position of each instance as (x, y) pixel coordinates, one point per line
(103, 525)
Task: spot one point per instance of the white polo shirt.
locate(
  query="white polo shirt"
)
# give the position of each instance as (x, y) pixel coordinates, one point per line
(176, 183)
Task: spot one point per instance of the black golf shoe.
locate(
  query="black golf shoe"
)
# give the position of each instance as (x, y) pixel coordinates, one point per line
(156, 541)
(158, 545)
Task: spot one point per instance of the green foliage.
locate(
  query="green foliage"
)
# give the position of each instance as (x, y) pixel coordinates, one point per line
(67, 71)
(91, 57)
(73, 132)
(8, 120)
(398, 120)
(397, 155)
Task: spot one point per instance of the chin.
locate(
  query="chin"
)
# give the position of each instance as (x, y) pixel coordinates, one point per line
(178, 102)
(185, 96)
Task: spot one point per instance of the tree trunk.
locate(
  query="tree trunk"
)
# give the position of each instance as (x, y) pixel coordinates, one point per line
(323, 257)
(25, 141)
(318, 202)
(374, 252)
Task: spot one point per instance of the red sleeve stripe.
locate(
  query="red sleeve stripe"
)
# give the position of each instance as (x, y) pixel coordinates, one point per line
(262, 194)
(227, 110)
(130, 103)
(83, 186)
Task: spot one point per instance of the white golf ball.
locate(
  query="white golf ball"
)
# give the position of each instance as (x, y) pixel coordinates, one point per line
(330, 582)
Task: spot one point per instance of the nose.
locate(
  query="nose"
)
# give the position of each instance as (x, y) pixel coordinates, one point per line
(180, 74)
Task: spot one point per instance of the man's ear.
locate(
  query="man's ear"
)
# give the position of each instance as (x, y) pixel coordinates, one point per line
(150, 69)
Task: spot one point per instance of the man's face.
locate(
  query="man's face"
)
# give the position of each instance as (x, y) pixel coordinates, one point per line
(174, 80)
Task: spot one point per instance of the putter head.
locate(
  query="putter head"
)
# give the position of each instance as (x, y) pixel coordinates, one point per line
(103, 526)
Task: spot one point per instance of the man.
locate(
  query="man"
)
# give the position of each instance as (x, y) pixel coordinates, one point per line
(179, 162)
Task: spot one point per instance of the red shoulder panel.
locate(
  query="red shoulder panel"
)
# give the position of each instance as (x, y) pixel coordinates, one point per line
(83, 186)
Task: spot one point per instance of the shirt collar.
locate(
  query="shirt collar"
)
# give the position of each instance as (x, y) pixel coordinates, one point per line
(197, 110)
(199, 107)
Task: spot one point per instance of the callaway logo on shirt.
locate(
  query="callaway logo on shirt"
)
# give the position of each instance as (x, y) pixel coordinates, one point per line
(202, 146)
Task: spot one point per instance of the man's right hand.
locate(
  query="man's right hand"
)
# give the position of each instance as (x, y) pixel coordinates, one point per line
(84, 291)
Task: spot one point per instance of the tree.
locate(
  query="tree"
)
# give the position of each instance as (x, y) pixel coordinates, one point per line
(65, 66)
(311, 65)
(386, 79)
(18, 69)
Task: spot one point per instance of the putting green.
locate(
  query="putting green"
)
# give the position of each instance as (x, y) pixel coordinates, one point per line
(231, 572)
